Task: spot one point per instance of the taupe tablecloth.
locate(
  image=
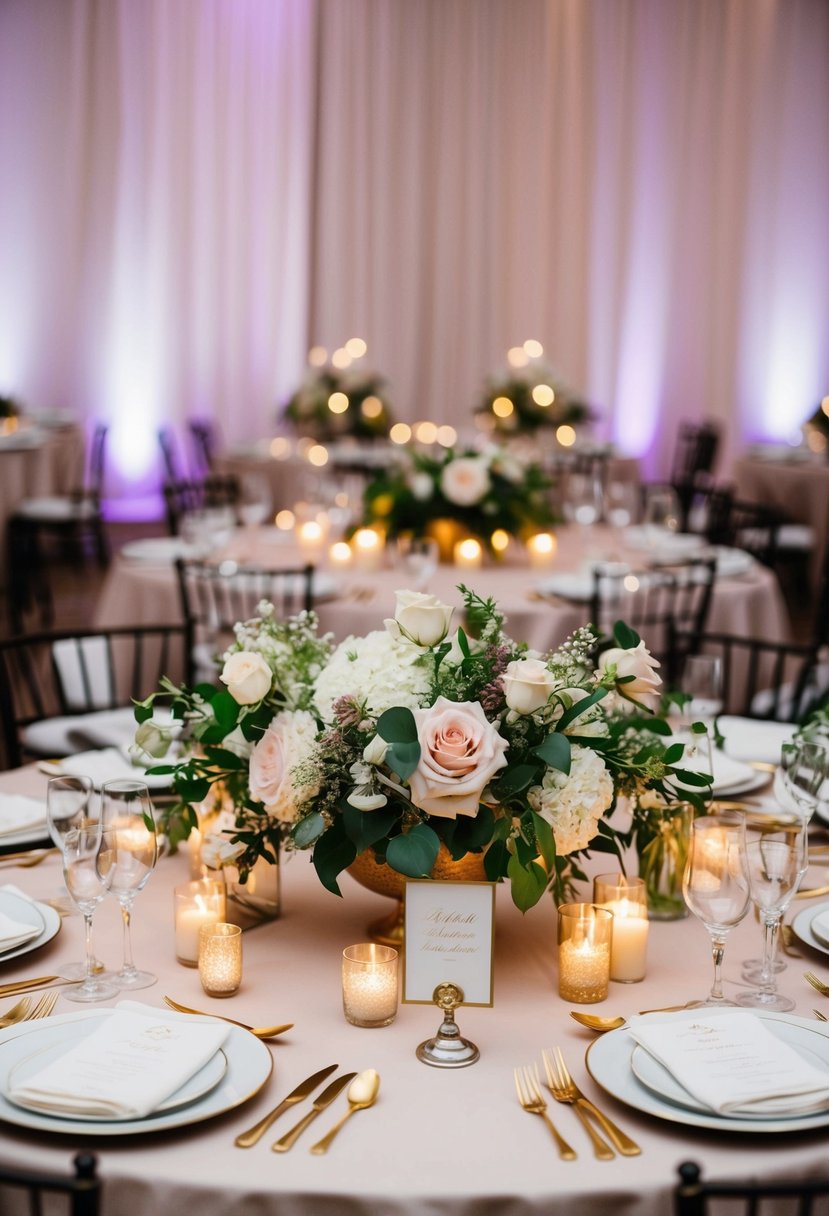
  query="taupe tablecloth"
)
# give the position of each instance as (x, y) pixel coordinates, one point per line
(443, 1143)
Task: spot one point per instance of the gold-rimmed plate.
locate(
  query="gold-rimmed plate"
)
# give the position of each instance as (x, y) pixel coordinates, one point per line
(35, 913)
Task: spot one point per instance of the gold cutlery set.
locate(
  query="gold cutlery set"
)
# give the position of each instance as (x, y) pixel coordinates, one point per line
(564, 1089)
(362, 1092)
(23, 1011)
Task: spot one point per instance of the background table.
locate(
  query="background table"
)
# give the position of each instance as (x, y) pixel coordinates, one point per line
(800, 489)
(446, 1143)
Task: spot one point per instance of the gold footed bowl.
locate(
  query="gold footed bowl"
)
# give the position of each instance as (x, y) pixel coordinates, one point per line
(383, 880)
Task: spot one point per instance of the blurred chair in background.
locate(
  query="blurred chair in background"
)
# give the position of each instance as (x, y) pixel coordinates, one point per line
(695, 1197)
(183, 498)
(81, 1189)
(205, 444)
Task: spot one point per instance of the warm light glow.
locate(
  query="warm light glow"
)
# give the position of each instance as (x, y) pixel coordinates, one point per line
(824, 405)
(630, 582)
(502, 407)
(318, 455)
(543, 394)
(303, 446)
(341, 358)
(310, 533)
(341, 498)
(317, 356)
(340, 554)
(468, 553)
(517, 356)
(542, 543)
(499, 540)
(356, 348)
(338, 403)
(426, 432)
(533, 349)
(565, 435)
(816, 441)
(367, 540)
(447, 436)
(401, 432)
(372, 407)
(280, 448)
(285, 520)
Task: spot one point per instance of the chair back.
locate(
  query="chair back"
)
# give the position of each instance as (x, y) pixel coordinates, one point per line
(82, 1187)
(695, 1197)
(169, 454)
(61, 677)
(668, 606)
(203, 436)
(94, 485)
(695, 452)
(182, 498)
(214, 598)
(750, 526)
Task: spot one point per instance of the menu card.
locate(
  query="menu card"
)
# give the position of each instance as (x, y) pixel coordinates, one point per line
(732, 1062)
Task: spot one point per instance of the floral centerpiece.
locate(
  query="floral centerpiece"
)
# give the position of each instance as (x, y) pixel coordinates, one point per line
(527, 398)
(480, 491)
(420, 736)
(336, 404)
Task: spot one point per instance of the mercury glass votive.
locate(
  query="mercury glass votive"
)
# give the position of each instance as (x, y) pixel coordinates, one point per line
(369, 984)
(627, 899)
(220, 959)
(584, 936)
(195, 904)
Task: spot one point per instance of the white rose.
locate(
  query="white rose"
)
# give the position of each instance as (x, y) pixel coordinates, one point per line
(527, 685)
(465, 481)
(422, 486)
(247, 676)
(218, 851)
(460, 751)
(639, 663)
(152, 739)
(375, 752)
(420, 618)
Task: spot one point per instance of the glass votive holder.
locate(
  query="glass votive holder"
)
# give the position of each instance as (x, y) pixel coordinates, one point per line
(369, 984)
(627, 899)
(197, 903)
(584, 935)
(220, 959)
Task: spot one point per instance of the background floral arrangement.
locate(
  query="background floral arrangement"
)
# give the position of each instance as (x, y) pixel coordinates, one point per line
(539, 398)
(417, 736)
(367, 413)
(481, 491)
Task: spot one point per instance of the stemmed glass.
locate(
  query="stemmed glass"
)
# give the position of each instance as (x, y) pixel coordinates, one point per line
(776, 863)
(803, 768)
(127, 860)
(702, 684)
(419, 556)
(87, 886)
(255, 501)
(583, 501)
(661, 515)
(716, 885)
(68, 808)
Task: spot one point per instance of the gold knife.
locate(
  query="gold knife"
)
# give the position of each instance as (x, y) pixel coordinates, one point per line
(24, 985)
(249, 1138)
(325, 1099)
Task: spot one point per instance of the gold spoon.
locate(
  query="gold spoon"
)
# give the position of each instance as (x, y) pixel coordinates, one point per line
(261, 1032)
(362, 1092)
(594, 1021)
(16, 1014)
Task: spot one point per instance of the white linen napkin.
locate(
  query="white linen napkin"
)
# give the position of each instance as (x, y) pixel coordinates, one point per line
(752, 739)
(728, 773)
(108, 764)
(730, 1061)
(15, 932)
(133, 1059)
(17, 813)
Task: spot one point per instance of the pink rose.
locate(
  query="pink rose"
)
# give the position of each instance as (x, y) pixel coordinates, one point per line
(288, 740)
(460, 751)
(639, 663)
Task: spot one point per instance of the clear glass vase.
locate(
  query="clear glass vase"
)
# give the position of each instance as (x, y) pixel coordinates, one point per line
(662, 834)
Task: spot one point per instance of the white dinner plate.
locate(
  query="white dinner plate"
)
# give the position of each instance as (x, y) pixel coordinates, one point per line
(196, 1087)
(31, 832)
(802, 927)
(819, 926)
(609, 1062)
(23, 912)
(106, 764)
(249, 1065)
(159, 549)
(664, 543)
(13, 906)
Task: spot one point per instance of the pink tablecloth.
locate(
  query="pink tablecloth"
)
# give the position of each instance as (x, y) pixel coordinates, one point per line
(799, 489)
(446, 1143)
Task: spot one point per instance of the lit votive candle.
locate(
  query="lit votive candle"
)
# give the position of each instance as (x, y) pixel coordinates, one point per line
(196, 904)
(541, 549)
(368, 549)
(584, 934)
(220, 959)
(369, 984)
(468, 554)
(310, 536)
(339, 555)
(627, 899)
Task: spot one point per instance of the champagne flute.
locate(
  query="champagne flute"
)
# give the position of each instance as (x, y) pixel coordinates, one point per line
(716, 886)
(87, 886)
(67, 809)
(776, 866)
(128, 860)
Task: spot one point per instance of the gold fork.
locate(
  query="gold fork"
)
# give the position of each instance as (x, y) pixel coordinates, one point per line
(562, 1092)
(568, 1087)
(16, 1013)
(43, 1007)
(528, 1088)
(817, 984)
(821, 1017)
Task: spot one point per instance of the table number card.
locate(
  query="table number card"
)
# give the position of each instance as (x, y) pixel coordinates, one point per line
(449, 937)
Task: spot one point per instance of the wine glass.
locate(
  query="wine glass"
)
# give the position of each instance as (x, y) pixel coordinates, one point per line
(621, 501)
(255, 501)
(661, 515)
(68, 807)
(716, 886)
(702, 685)
(776, 864)
(583, 500)
(419, 557)
(128, 860)
(87, 886)
(803, 768)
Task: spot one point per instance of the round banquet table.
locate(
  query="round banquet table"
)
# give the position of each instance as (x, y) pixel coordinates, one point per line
(447, 1143)
(137, 592)
(799, 488)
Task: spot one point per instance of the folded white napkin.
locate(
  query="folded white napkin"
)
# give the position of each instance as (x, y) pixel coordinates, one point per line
(820, 927)
(17, 813)
(730, 1061)
(15, 932)
(133, 1060)
(728, 772)
(753, 739)
(108, 764)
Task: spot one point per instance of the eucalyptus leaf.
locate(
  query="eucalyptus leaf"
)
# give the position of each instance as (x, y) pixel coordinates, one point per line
(625, 637)
(555, 752)
(365, 828)
(413, 853)
(528, 883)
(308, 830)
(333, 853)
(403, 757)
(397, 725)
(514, 781)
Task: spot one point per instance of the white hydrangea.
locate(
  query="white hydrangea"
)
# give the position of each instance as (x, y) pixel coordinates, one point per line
(379, 670)
(573, 804)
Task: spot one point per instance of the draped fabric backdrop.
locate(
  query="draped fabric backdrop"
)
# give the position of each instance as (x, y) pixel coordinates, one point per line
(196, 191)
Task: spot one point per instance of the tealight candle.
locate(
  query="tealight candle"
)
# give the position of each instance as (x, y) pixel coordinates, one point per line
(541, 549)
(220, 959)
(369, 984)
(368, 549)
(310, 536)
(196, 904)
(339, 555)
(468, 554)
(584, 934)
(627, 899)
